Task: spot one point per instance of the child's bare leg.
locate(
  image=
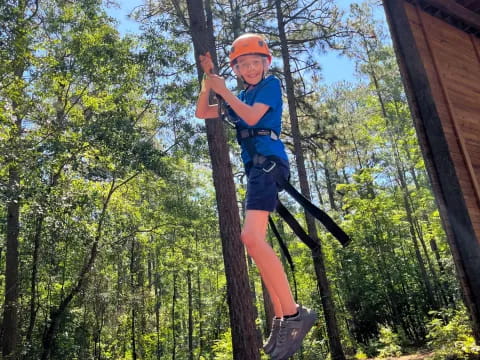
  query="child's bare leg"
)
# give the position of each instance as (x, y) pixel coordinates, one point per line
(277, 306)
(269, 265)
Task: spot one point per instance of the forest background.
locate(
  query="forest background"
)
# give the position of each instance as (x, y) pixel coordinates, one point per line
(112, 245)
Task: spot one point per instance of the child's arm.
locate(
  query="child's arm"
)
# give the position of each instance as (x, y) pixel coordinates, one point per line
(251, 114)
(204, 109)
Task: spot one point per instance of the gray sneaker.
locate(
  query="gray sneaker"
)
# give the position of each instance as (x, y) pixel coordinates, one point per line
(292, 332)
(272, 339)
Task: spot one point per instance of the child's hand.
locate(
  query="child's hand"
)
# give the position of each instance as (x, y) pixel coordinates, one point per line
(206, 63)
(217, 84)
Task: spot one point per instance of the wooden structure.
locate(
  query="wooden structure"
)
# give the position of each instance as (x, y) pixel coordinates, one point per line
(438, 48)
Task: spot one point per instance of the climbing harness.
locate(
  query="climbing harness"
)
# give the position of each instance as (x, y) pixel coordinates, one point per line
(269, 165)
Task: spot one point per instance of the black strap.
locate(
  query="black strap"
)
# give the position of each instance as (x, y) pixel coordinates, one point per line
(295, 226)
(247, 137)
(317, 213)
(320, 215)
(250, 145)
(283, 247)
(252, 132)
(285, 252)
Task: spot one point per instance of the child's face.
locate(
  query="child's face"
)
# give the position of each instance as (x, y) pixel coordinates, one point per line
(251, 68)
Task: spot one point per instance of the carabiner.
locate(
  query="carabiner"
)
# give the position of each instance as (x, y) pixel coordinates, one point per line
(271, 167)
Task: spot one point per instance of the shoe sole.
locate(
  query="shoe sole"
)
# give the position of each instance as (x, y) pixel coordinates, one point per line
(268, 352)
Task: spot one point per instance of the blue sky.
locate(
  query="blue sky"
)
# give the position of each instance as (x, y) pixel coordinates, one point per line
(120, 13)
(334, 66)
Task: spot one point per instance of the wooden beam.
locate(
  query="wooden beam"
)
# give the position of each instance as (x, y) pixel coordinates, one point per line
(455, 9)
(450, 108)
(462, 239)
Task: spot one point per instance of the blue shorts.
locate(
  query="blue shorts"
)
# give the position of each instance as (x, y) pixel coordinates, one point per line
(264, 183)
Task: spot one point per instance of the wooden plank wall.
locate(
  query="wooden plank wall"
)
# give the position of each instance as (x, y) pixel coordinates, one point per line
(452, 61)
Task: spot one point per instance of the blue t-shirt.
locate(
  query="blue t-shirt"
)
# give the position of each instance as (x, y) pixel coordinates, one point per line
(268, 92)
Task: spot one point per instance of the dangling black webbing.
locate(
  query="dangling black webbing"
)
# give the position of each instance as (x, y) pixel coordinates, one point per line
(317, 213)
(285, 253)
(283, 247)
(295, 226)
(320, 215)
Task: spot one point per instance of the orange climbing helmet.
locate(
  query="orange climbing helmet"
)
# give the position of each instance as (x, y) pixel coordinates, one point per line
(249, 44)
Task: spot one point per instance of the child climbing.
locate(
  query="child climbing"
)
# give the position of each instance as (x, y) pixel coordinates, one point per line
(257, 114)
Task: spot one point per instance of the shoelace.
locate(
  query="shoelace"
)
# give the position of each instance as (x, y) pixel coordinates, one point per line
(272, 330)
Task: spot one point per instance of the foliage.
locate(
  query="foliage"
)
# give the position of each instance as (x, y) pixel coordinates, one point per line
(360, 355)
(450, 335)
(222, 348)
(389, 343)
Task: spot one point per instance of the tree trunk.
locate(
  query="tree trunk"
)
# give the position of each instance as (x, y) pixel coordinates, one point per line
(10, 317)
(33, 278)
(244, 339)
(254, 299)
(317, 255)
(439, 285)
(269, 312)
(158, 297)
(267, 301)
(316, 181)
(199, 302)
(330, 186)
(133, 302)
(174, 328)
(190, 315)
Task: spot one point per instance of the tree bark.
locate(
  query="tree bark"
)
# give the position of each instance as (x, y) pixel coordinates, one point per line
(316, 180)
(330, 186)
(158, 297)
(244, 339)
(133, 303)
(33, 278)
(199, 302)
(269, 312)
(190, 315)
(174, 328)
(10, 317)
